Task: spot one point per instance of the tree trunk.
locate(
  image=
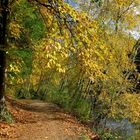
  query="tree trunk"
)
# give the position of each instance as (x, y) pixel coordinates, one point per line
(3, 42)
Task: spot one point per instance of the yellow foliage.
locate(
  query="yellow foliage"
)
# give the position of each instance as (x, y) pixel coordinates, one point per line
(76, 45)
(128, 105)
(15, 29)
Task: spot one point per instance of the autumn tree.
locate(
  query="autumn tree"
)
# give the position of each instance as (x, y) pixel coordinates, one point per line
(14, 30)
(77, 63)
(84, 61)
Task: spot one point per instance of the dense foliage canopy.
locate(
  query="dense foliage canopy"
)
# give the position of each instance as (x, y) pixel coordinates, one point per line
(80, 58)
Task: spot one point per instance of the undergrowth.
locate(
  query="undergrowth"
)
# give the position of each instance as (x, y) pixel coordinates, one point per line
(6, 116)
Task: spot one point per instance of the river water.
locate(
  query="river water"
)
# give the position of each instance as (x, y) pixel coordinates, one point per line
(123, 128)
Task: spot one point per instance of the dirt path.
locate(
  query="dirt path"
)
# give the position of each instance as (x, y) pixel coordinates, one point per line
(43, 121)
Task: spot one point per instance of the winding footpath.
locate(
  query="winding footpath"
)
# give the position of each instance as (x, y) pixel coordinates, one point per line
(44, 121)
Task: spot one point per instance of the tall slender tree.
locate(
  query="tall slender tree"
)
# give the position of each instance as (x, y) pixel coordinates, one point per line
(4, 10)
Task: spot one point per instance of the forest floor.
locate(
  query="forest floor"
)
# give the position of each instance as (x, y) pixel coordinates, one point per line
(37, 120)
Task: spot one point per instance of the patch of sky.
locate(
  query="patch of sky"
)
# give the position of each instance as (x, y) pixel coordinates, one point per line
(72, 3)
(134, 32)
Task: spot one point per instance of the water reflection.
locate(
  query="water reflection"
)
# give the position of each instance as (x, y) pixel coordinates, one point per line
(123, 128)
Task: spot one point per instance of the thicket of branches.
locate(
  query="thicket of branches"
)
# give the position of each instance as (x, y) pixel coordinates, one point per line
(82, 59)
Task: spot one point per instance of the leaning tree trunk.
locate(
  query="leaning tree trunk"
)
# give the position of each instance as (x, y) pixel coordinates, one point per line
(3, 26)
